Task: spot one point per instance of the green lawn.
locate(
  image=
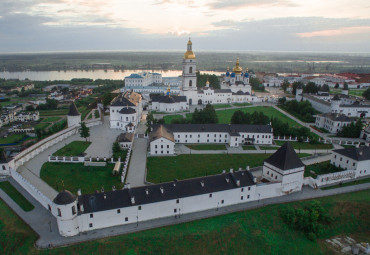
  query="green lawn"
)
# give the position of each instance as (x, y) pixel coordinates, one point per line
(74, 148)
(367, 180)
(269, 147)
(249, 147)
(51, 119)
(44, 113)
(224, 116)
(17, 197)
(307, 146)
(165, 169)
(77, 176)
(241, 104)
(219, 106)
(356, 92)
(169, 118)
(203, 147)
(121, 154)
(321, 168)
(41, 125)
(260, 231)
(13, 138)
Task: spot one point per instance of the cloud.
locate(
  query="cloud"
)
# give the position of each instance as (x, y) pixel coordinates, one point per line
(232, 4)
(336, 32)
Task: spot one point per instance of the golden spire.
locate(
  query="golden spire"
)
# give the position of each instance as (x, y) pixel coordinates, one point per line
(246, 70)
(207, 83)
(189, 54)
(237, 68)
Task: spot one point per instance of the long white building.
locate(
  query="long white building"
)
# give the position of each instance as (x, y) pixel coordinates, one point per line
(164, 137)
(333, 122)
(357, 159)
(143, 79)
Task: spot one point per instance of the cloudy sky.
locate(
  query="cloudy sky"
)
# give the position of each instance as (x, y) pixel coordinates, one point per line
(267, 25)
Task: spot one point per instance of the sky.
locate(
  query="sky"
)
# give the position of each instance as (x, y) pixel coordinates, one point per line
(237, 25)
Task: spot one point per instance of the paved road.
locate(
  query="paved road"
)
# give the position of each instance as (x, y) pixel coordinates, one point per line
(137, 168)
(39, 218)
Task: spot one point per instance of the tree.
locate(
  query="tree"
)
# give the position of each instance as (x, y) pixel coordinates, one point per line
(29, 108)
(353, 130)
(207, 115)
(116, 148)
(345, 86)
(296, 85)
(256, 84)
(239, 118)
(107, 98)
(202, 79)
(336, 86)
(325, 88)
(285, 85)
(366, 94)
(84, 131)
(311, 87)
(282, 100)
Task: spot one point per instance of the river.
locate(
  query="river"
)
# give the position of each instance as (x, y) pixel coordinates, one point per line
(96, 74)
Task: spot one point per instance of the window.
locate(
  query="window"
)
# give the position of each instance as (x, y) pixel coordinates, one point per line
(275, 177)
(177, 201)
(4, 167)
(126, 219)
(168, 152)
(118, 210)
(215, 135)
(190, 69)
(190, 83)
(242, 189)
(139, 208)
(168, 146)
(248, 197)
(249, 188)
(73, 210)
(174, 210)
(90, 225)
(49, 207)
(268, 172)
(198, 136)
(222, 201)
(210, 195)
(207, 135)
(155, 146)
(91, 215)
(347, 161)
(161, 146)
(59, 213)
(354, 164)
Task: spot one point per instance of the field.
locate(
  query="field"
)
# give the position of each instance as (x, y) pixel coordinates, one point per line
(50, 119)
(307, 146)
(17, 197)
(169, 118)
(241, 104)
(320, 168)
(224, 116)
(165, 169)
(13, 138)
(75, 148)
(219, 106)
(352, 92)
(45, 113)
(260, 231)
(41, 125)
(203, 147)
(77, 176)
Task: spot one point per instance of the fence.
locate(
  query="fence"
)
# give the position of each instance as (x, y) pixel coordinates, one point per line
(332, 178)
(125, 165)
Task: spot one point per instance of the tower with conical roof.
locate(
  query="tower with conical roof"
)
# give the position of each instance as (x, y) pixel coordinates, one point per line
(284, 166)
(189, 77)
(73, 116)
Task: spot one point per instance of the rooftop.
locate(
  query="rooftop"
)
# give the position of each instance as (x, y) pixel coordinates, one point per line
(358, 154)
(285, 158)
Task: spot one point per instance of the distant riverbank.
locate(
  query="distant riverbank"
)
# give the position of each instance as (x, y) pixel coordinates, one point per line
(92, 74)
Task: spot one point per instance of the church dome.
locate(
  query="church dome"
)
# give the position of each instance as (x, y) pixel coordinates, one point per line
(189, 54)
(237, 68)
(232, 75)
(227, 73)
(246, 75)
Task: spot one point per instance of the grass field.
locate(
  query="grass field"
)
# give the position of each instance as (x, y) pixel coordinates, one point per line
(260, 231)
(241, 104)
(74, 148)
(320, 168)
(202, 147)
(77, 176)
(169, 118)
(249, 147)
(307, 146)
(367, 180)
(224, 116)
(44, 113)
(165, 169)
(17, 197)
(269, 147)
(51, 119)
(13, 138)
(220, 106)
(41, 125)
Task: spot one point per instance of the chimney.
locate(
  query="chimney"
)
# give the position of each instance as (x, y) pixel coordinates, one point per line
(238, 183)
(227, 180)
(133, 200)
(162, 190)
(81, 208)
(146, 191)
(79, 192)
(105, 196)
(254, 179)
(202, 183)
(231, 170)
(223, 171)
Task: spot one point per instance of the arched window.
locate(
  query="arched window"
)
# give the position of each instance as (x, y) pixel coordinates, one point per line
(190, 69)
(190, 83)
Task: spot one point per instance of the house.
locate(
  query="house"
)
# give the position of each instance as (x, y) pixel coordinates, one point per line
(169, 103)
(333, 122)
(357, 159)
(164, 137)
(125, 140)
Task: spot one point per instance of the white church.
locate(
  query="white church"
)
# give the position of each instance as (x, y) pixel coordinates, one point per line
(235, 88)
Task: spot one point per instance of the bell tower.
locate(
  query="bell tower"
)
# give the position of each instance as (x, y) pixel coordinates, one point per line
(189, 68)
